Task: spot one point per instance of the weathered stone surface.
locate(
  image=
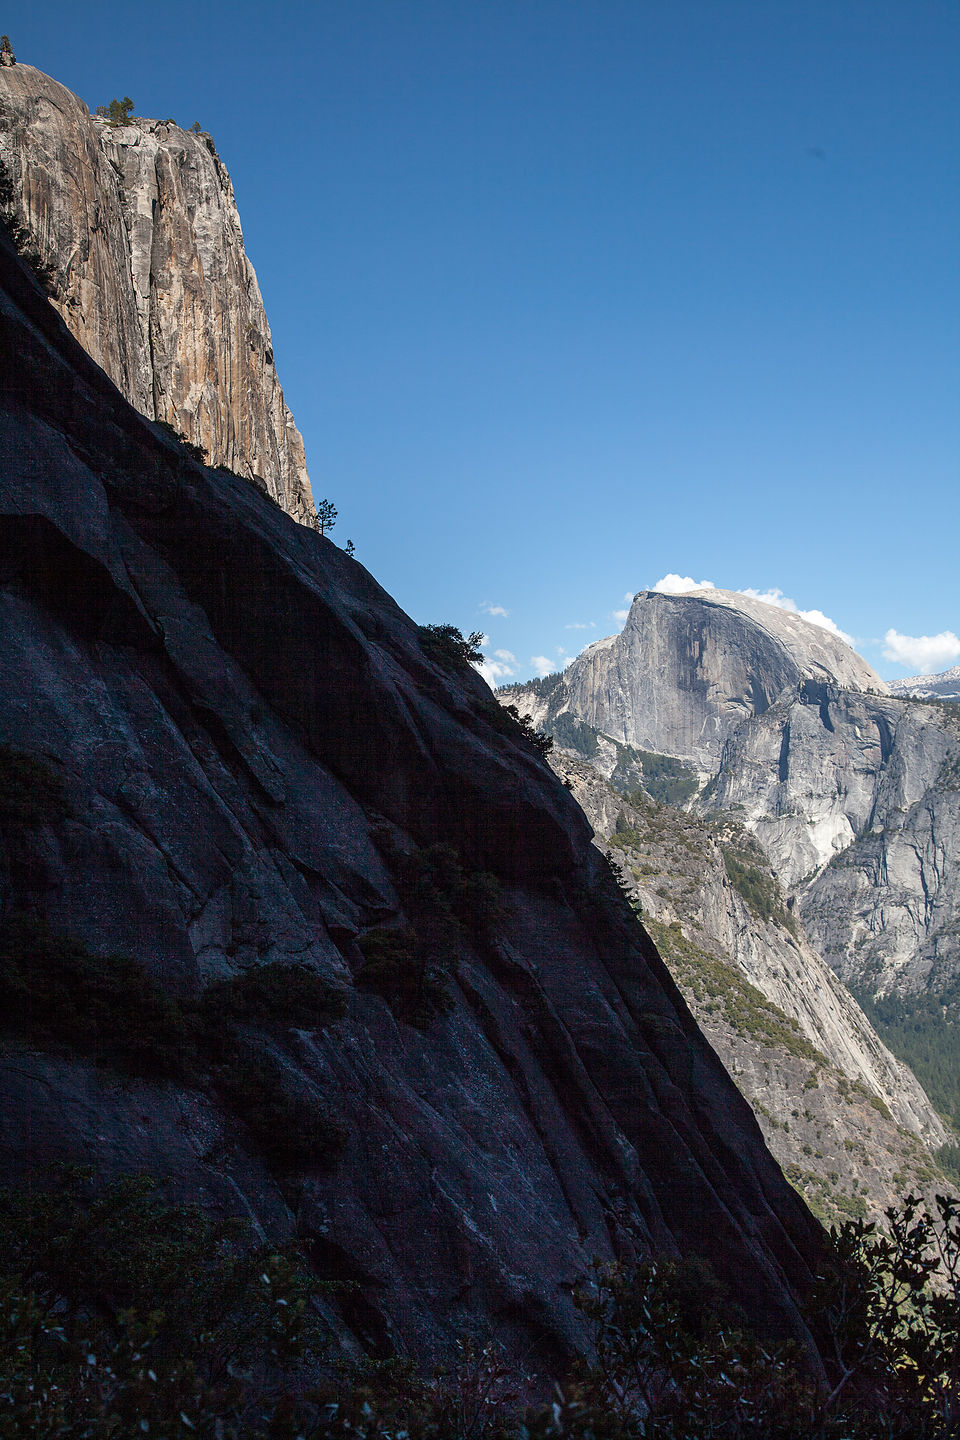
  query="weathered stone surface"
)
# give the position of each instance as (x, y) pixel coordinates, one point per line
(849, 1120)
(248, 730)
(140, 226)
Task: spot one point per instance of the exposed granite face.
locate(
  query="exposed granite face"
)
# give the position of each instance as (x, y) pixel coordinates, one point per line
(249, 733)
(856, 798)
(687, 669)
(833, 1103)
(140, 225)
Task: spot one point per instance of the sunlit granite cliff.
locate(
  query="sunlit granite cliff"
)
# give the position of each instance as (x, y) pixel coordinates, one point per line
(139, 226)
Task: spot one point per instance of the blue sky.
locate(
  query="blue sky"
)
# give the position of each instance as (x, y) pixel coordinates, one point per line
(570, 295)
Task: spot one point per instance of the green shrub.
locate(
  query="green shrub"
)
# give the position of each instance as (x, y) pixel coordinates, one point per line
(948, 1158)
(20, 236)
(30, 792)
(448, 647)
(720, 988)
(123, 1315)
(757, 886)
(273, 997)
(119, 111)
(397, 968)
(574, 734)
(54, 990)
(542, 685)
(666, 779)
(290, 1130)
(508, 720)
(196, 452)
(435, 884)
(924, 1031)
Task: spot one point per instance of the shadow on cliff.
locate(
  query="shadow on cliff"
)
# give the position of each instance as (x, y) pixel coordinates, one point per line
(253, 750)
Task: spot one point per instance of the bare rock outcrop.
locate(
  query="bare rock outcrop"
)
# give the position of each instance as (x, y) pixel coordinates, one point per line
(252, 742)
(139, 227)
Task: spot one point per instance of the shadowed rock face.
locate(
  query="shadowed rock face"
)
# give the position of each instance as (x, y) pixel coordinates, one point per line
(249, 734)
(140, 225)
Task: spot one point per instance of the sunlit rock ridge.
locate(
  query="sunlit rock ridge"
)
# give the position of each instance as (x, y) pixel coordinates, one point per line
(139, 225)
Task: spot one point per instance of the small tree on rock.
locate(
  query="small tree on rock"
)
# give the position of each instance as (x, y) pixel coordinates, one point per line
(7, 56)
(350, 548)
(119, 111)
(326, 516)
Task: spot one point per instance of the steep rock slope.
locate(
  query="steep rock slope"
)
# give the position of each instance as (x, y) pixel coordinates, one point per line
(254, 748)
(687, 669)
(140, 227)
(848, 1122)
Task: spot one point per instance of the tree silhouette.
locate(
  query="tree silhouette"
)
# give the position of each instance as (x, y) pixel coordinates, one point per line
(326, 516)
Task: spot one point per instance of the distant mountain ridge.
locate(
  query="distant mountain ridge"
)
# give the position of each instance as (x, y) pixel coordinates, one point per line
(943, 686)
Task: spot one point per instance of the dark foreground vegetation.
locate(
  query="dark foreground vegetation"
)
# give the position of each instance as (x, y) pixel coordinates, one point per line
(122, 1315)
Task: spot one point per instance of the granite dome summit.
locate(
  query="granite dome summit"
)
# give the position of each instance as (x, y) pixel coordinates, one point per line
(687, 669)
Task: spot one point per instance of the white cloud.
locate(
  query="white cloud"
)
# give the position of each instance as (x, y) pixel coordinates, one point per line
(679, 584)
(673, 584)
(783, 602)
(581, 625)
(542, 664)
(495, 672)
(620, 615)
(923, 654)
(506, 655)
(489, 609)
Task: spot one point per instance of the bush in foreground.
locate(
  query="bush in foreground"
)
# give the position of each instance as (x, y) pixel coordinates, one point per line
(122, 1315)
